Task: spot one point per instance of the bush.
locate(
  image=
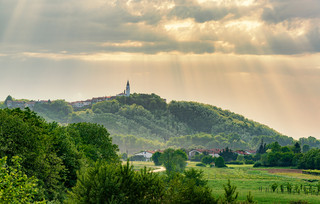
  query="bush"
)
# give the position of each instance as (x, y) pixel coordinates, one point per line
(249, 162)
(156, 158)
(257, 164)
(235, 162)
(201, 164)
(220, 162)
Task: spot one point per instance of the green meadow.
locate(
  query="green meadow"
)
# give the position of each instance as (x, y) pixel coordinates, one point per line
(258, 181)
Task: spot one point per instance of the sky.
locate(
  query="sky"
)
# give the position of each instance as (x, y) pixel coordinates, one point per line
(258, 58)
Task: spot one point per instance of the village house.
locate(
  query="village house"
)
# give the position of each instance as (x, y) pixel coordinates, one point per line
(146, 154)
(16, 104)
(30, 104)
(212, 152)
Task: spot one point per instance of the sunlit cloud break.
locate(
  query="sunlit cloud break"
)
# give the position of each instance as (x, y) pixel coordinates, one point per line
(149, 27)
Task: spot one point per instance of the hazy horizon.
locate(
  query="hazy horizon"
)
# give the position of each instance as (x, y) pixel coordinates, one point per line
(258, 58)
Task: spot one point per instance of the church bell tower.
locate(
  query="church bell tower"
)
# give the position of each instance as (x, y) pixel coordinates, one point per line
(128, 89)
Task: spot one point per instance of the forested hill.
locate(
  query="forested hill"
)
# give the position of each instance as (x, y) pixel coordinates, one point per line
(147, 121)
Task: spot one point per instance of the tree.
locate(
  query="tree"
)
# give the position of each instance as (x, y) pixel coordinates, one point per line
(156, 158)
(196, 175)
(174, 160)
(275, 147)
(262, 148)
(296, 148)
(15, 185)
(228, 155)
(230, 194)
(191, 188)
(220, 162)
(207, 159)
(305, 148)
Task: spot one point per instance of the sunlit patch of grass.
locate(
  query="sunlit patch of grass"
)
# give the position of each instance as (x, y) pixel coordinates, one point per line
(247, 178)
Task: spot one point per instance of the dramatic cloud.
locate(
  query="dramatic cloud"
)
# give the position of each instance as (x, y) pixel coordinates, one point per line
(185, 26)
(281, 10)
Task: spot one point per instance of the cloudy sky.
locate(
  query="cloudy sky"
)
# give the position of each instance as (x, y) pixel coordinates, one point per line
(259, 58)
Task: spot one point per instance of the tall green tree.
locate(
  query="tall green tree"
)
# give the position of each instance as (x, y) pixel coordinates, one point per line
(262, 148)
(174, 160)
(156, 158)
(230, 194)
(296, 148)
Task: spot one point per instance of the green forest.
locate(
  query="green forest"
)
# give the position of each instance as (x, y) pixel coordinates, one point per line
(148, 122)
(43, 162)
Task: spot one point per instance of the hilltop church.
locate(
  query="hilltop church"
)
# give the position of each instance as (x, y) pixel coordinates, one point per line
(125, 92)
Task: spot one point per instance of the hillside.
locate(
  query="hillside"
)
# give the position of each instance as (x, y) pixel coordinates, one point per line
(143, 121)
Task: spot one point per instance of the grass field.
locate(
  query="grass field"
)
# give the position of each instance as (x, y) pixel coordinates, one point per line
(247, 178)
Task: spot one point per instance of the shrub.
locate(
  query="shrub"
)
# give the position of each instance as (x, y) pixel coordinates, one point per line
(220, 162)
(257, 164)
(250, 198)
(249, 162)
(274, 187)
(235, 162)
(201, 164)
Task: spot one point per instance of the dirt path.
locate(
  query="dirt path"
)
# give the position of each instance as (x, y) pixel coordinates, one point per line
(159, 170)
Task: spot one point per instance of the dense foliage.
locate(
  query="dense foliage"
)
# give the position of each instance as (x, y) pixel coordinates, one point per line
(51, 153)
(175, 124)
(291, 155)
(111, 183)
(15, 186)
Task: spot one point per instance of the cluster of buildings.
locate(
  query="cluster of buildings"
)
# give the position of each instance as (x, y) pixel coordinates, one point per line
(76, 104)
(24, 104)
(80, 104)
(212, 152)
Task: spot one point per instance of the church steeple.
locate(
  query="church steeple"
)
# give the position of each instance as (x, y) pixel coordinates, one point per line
(128, 89)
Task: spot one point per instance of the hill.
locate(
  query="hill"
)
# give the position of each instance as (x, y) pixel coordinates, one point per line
(146, 121)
